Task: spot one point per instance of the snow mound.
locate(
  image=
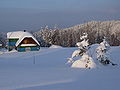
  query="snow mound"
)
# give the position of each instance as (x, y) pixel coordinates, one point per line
(55, 46)
(14, 50)
(1, 52)
(85, 62)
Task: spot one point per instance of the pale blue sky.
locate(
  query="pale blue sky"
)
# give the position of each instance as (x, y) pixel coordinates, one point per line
(33, 14)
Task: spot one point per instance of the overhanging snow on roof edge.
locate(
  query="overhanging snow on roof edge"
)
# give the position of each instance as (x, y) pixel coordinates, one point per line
(20, 40)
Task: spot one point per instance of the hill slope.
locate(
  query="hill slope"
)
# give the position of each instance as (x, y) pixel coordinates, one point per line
(70, 36)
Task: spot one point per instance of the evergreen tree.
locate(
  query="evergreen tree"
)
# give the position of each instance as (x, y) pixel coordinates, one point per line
(102, 53)
(85, 60)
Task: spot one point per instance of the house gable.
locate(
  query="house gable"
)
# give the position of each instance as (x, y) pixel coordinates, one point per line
(26, 35)
(28, 41)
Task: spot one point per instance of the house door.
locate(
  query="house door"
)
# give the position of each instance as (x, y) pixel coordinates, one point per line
(27, 49)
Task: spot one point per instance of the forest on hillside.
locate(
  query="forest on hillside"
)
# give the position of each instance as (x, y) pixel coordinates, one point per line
(68, 37)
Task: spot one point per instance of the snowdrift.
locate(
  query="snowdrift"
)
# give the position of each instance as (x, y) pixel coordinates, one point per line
(55, 46)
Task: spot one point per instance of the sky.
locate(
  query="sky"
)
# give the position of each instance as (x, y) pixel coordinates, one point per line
(33, 14)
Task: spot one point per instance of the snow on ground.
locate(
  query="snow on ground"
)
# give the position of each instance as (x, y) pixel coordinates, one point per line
(55, 46)
(47, 70)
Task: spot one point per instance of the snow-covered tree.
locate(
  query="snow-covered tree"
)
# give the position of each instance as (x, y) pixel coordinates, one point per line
(85, 61)
(102, 53)
(68, 37)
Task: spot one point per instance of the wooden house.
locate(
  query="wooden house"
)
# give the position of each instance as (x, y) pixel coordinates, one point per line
(22, 41)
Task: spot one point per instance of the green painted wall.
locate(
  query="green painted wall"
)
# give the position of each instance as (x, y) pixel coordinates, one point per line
(11, 44)
(31, 48)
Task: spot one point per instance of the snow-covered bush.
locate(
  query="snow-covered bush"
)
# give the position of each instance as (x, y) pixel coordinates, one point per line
(102, 53)
(85, 61)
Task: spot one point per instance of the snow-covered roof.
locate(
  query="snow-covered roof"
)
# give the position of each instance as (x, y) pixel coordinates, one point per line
(20, 35)
(17, 34)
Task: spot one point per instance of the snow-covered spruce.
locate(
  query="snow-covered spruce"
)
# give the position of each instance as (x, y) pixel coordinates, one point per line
(85, 61)
(102, 53)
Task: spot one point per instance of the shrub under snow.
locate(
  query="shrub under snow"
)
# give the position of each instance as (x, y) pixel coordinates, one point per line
(85, 60)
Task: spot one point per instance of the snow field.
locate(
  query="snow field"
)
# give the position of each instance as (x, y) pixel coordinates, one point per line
(50, 71)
